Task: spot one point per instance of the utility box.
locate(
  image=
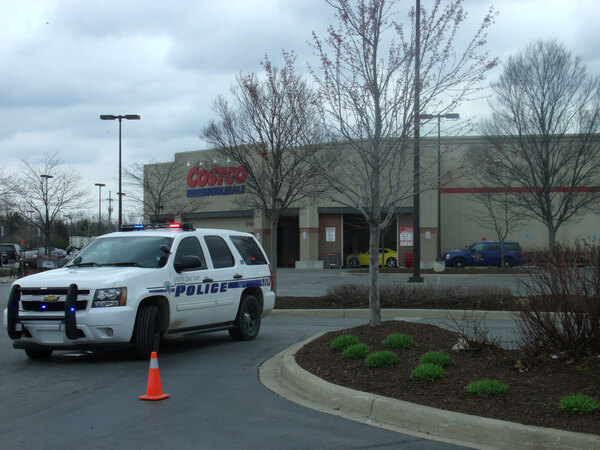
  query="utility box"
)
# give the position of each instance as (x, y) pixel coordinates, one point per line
(333, 261)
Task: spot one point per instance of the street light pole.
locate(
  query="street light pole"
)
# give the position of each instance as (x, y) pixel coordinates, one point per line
(439, 118)
(31, 228)
(110, 208)
(47, 224)
(120, 194)
(416, 276)
(120, 118)
(100, 185)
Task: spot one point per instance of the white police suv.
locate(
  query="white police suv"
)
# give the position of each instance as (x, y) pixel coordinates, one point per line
(132, 288)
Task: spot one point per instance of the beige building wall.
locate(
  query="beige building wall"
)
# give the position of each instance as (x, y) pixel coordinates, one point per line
(458, 209)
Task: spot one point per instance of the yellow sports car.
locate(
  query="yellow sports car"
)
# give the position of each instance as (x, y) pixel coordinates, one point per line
(390, 258)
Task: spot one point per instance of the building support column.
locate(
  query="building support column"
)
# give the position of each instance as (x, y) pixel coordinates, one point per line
(309, 237)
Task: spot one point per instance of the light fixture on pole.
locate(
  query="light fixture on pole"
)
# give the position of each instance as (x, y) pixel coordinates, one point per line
(439, 117)
(100, 185)
(120, 118)
(46, 224)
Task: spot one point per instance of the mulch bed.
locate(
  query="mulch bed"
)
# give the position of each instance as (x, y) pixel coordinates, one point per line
(534, 389)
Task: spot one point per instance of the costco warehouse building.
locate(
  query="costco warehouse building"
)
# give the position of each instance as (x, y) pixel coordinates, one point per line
(318, 232)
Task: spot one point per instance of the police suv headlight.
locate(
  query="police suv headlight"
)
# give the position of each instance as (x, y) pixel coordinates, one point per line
(105, 298)
(447, 256)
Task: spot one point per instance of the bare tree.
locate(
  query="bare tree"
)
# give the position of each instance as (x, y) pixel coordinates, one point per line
(543, 134)
(155, 188)
(46, 191)
(367, 89)
(270, 129)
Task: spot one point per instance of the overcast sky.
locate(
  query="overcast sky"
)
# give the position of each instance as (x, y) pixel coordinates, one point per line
(65, 62)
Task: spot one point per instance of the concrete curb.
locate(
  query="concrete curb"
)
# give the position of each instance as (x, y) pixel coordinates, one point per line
(411, 418)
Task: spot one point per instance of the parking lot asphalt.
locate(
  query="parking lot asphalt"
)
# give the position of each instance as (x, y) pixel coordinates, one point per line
(307, 283)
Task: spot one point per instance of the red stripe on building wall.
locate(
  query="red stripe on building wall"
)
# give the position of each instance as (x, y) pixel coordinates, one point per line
(514, 190)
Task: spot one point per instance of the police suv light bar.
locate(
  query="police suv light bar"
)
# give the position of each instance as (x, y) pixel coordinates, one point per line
(157, 226)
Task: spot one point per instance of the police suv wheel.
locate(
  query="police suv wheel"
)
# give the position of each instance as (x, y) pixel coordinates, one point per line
(147, 331)
(508, 263)
(459, 263)
(38, 353)
(247, 321)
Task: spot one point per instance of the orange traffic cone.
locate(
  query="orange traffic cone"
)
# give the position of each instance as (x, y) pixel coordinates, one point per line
(154, 389)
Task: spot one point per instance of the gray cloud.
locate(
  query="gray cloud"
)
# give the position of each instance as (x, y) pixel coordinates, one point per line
(66, 62)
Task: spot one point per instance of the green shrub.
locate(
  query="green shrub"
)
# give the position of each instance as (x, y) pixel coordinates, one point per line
(356, 351)
(486, 386)
(384, 358)
(428, 372)
(340, 343)
(436, 358)
(397, 340)
(580, 403)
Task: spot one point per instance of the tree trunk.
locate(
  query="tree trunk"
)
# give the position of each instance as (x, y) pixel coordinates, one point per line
(374, 307)
(551, 236)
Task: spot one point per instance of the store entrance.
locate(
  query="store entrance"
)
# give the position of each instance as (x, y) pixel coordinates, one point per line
(288, 241)
(356, 236)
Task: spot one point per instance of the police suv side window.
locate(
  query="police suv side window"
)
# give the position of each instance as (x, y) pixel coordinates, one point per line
(249, 250)
(190, 247)
(219, 252)
(494, 247)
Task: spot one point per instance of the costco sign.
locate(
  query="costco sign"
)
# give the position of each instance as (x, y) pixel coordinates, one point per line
(216, 181)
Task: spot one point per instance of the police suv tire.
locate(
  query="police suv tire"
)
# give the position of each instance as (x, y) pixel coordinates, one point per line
(247, 321)
(459, 263)
(147, 331)
(38, 353)
(391, 262)
(508, 262)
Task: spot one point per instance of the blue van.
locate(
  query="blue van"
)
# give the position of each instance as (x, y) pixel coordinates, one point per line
(486, 253)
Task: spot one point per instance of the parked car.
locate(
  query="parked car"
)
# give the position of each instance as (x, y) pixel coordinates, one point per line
(58, 253)
(33, 253)
(486, 253)
(389, 257)
(10, 253)
(54, 252)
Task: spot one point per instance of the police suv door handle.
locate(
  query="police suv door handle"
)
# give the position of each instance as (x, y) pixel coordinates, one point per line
(207, 280)
(237, 276)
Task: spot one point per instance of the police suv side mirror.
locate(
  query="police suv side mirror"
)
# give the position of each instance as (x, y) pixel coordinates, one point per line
(188, 262)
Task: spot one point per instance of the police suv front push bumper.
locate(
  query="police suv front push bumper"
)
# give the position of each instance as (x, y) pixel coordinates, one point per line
(15, 321)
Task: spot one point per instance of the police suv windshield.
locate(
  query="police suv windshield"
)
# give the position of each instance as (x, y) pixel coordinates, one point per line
(134, 251)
